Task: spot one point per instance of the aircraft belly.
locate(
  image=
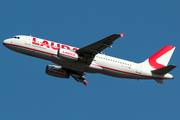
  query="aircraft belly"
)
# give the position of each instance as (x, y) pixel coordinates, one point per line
(122, 74)
(117, 74)
(16, 49)
(29, 51)
(120, 71)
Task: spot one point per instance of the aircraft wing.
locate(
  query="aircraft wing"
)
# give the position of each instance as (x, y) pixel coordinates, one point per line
(87, 53)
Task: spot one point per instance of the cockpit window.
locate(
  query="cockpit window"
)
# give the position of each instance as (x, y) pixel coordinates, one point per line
(16, 37)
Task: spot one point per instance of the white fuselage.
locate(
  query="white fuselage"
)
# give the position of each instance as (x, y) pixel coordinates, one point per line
(101, 63)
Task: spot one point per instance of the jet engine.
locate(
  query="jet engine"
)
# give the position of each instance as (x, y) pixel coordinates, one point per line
(57, 71)
(67, 54)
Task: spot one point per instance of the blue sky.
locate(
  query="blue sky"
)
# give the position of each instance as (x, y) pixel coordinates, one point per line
(27, 93)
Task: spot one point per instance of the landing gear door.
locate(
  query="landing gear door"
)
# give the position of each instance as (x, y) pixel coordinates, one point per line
(28, 40)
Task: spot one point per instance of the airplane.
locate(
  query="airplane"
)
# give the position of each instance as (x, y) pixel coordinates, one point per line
(74, 62)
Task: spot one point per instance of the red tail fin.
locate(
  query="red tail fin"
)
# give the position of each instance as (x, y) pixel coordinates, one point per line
(161, 58)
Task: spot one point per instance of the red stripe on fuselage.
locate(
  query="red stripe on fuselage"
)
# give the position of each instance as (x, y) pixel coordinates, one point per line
(91, 64)
(124, 71)
(29, 48)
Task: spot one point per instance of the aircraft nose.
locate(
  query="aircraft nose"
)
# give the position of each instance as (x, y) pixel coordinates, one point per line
(6, 42)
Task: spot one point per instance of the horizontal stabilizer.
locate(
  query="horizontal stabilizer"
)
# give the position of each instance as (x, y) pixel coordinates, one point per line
(159, 81)
(164, 70)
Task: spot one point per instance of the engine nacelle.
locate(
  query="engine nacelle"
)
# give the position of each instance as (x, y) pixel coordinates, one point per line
(67, 54)
(57, 71)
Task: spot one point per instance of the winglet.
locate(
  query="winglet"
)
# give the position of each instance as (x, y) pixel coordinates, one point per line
(121, 34)
(86, 83)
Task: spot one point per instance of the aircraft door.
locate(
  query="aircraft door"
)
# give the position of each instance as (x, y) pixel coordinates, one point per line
(139, 67)
(28, 40)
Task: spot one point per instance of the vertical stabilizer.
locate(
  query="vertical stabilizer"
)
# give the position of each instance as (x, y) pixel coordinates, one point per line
(160, 59)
